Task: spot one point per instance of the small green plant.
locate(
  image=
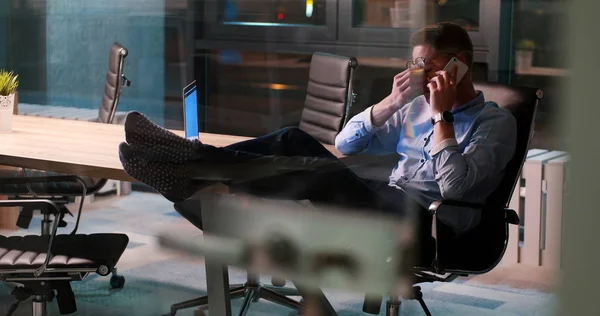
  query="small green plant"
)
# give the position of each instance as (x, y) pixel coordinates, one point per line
(526, 45)
(9, 82)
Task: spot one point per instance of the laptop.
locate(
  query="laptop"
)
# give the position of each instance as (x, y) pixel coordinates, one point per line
(190, 111)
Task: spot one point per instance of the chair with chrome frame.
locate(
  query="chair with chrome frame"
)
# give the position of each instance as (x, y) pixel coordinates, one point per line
(329, 96)
(328, 101)
(115, 80)
(476, 249)
(44, 265)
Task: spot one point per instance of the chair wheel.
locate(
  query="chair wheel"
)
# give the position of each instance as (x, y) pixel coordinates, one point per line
(117, 281)
(278, 282)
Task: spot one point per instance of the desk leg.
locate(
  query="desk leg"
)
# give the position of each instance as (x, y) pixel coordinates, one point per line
(217, 284)
(217, 275)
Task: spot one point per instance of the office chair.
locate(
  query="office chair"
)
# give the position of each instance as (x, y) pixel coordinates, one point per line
(23, 260)
(480, 249)
(327, 104)
(329, 96)
(115, 80)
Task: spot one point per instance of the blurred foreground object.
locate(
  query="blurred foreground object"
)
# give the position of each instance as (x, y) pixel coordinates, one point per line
(318, 247)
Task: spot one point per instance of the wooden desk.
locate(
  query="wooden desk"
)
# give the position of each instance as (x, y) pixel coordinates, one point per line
(77, 147)
(89, 149)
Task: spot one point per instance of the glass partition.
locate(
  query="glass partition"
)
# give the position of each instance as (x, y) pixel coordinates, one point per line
(389, 22)
(273, 12)
(254, 93)
(399, 13)
(251, 57)
(251, 60)
(539, 59)
(267, 20)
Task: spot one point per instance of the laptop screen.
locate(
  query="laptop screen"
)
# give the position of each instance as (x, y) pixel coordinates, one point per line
(190, 111)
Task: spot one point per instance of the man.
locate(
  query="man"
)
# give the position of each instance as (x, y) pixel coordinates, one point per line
(460, 155)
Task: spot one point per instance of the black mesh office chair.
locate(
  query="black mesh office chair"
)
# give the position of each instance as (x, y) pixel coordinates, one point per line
(480, 249)
(23, 260)
(328, 101)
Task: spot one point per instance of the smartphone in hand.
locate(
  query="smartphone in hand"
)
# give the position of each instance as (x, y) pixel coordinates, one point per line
(460, 71)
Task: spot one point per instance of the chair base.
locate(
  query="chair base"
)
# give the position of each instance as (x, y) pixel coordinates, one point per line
(117, 281)
(372, 304)
(251, 291)
(393, 304)
(41, 294)
(38, 307)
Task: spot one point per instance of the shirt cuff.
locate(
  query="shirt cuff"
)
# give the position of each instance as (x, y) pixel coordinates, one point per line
(448, 142)
(367, 119)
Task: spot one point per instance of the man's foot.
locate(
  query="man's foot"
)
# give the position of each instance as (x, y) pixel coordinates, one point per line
(169, 179)
(141, 131)
(165, 154)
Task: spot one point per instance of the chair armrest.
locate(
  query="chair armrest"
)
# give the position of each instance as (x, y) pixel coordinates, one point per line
(27, 180)
(30, 202)
(38, 203)
(512, 217)
(62, 178)
(433, 207)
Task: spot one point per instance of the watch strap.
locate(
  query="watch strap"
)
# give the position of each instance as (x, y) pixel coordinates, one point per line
(439, 117)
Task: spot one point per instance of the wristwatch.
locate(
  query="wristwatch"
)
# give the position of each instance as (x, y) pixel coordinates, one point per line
(446, 117)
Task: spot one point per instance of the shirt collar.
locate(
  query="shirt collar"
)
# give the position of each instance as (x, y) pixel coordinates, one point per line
(479, 99)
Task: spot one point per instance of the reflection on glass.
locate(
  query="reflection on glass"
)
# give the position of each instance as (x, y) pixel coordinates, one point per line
(539, 59)
(408, 13)
(536, 32)
(273, 12)
(254, 93)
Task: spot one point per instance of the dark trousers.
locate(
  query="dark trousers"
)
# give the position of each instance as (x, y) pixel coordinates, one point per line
(332, 186)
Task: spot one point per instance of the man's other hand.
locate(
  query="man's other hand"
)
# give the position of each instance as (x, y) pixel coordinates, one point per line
(407, 85)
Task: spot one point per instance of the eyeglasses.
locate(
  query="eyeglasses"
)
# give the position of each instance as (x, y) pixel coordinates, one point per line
(416, 64)
(419, 63)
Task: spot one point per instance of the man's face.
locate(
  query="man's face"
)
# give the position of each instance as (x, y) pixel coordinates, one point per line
(434, 61)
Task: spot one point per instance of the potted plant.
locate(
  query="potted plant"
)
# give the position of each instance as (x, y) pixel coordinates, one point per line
(524, 54)
(9, 82)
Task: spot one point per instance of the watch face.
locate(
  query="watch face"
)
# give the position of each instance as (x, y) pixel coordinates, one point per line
(448, 117)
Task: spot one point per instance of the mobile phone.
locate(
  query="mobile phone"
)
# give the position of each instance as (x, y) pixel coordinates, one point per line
(460, 71)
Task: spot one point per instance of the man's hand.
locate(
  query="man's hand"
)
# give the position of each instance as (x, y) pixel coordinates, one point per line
(406, 86)
(442, 91)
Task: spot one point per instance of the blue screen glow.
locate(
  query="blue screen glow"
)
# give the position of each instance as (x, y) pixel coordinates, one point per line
(190, 104)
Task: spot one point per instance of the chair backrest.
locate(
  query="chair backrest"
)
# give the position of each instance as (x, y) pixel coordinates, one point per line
(328, 96)
(114, 83)
(522, 102)
(112, 91)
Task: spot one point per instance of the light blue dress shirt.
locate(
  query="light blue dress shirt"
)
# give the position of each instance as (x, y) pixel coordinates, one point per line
(486, 135)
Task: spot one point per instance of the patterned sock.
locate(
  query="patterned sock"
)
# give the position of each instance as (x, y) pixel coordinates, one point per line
(169, 179)
(141, 131)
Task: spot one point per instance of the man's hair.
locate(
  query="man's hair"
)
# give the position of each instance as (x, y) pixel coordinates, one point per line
(445, 37)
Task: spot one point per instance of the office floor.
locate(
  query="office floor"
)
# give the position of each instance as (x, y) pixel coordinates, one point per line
(155, 278)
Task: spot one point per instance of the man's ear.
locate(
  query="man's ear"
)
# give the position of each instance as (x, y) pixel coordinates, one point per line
(462, 57)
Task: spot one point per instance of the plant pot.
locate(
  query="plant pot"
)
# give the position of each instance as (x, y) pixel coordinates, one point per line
(523, 60)
(7, 105)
